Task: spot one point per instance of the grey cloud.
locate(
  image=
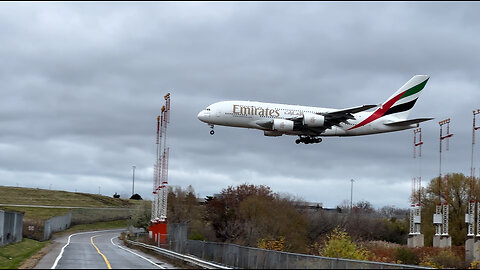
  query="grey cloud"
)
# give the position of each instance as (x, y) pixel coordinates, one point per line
(82, 85)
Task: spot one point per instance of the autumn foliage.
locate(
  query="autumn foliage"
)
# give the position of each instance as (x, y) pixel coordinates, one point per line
(255, 216)
(247, 213)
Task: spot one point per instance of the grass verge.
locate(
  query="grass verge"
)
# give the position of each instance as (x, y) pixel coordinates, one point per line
(115, 224)
(37, 213)
(13, 255)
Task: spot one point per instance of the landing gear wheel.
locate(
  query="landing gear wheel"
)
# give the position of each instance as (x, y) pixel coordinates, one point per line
(212, 132)
(308, 140)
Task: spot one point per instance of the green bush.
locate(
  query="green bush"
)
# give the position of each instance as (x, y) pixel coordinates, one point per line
(141, 217)
(136, 197)
(196, 236)
(405, 256)
(444, 259)
(447, 259)
(339, 245)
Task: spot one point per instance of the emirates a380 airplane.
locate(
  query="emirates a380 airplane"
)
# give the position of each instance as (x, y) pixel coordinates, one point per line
(309, 123)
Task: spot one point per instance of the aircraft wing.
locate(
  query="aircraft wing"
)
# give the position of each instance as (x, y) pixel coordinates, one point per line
(351, 110)
(334, 118)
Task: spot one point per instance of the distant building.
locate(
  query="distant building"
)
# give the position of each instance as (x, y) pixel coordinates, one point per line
(309, 205)
(11, 226)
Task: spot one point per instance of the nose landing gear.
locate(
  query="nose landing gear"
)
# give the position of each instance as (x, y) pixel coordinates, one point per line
(308, 140)
(212, 131)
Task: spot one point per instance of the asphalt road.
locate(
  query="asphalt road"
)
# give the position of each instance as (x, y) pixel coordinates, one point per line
(99, 250)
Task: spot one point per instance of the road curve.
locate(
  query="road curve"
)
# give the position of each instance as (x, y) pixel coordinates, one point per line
(100, 250)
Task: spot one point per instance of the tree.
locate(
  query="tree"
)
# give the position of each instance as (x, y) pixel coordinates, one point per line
(321, 223)
(136, 197)
(247, 214)
(363, 207)
(393, 212)
(458, 187)
(141, 216)
(183, 207)
(222, 211)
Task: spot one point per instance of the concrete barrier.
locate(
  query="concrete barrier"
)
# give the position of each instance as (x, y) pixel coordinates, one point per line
(56, 224)
(42, 230)
(11, 224)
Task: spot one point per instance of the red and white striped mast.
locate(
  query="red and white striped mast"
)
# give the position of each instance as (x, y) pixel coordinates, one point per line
(158, 222)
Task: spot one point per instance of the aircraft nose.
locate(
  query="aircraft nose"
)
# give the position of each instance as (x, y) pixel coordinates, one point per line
(203, 116)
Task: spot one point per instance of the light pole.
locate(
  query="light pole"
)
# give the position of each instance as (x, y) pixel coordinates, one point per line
(351, 195)
(133, 180)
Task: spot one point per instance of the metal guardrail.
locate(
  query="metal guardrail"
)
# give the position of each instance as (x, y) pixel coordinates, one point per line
(177, 256)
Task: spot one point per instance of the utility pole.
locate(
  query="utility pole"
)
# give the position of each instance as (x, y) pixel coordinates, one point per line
(351, 195)
(133, 180)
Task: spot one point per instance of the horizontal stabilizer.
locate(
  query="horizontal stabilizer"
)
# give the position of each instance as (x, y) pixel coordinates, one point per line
(408, 122)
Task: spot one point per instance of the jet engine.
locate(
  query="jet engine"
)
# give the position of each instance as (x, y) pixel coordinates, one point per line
(282, 125)
(313, 120)
(270, 133)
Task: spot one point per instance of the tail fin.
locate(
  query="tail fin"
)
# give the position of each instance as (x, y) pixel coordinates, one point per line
(402, 101)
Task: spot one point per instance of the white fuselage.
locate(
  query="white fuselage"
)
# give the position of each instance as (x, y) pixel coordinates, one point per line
(247, 114)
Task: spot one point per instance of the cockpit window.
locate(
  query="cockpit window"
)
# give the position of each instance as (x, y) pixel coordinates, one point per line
(208, 109)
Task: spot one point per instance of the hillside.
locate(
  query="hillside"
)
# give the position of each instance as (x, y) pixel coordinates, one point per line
(34, 196)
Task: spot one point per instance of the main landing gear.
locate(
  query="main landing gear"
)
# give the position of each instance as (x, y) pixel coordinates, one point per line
(212, 131)
(308, 139)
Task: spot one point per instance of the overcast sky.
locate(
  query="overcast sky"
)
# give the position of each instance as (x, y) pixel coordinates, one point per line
(82, 84)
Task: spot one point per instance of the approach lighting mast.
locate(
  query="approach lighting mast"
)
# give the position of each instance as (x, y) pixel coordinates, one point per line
(440, 218)
(415, 210)
(470, 216)
(158, 222)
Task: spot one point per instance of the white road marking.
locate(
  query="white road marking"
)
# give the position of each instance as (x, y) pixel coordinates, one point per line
(68, 243)
(150, 261)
